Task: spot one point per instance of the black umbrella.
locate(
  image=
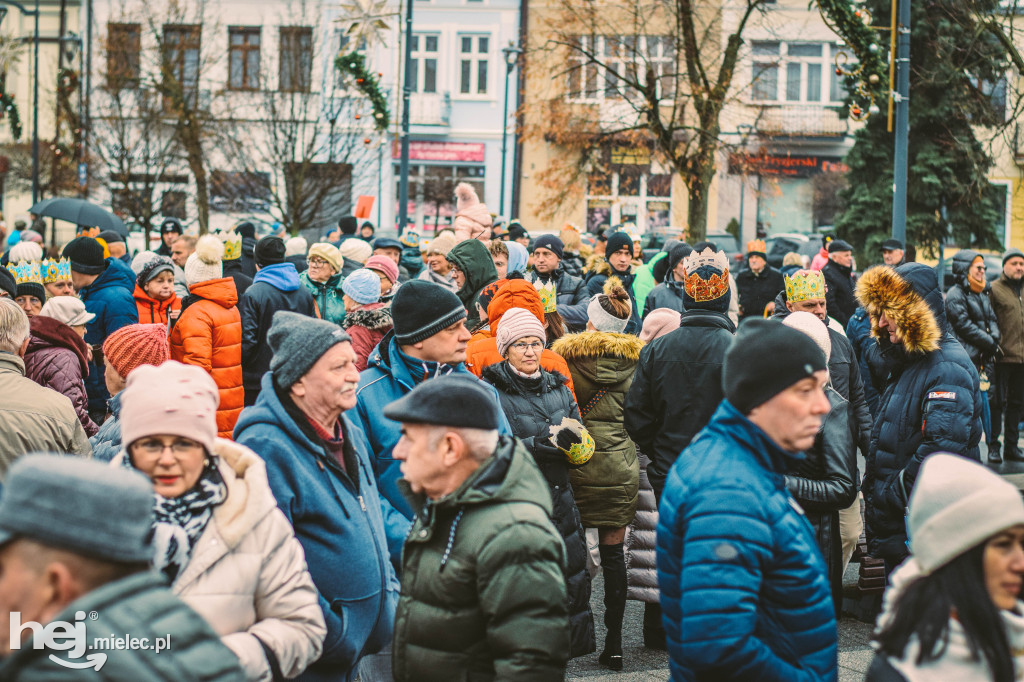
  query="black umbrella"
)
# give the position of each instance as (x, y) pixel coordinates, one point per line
(80, 212)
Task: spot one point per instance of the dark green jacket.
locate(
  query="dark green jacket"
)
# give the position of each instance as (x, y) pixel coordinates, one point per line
(139, 606)
(473, 258)
(327, 296)
(483, 595)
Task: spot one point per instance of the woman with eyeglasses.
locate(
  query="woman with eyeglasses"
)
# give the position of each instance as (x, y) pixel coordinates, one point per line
(545, 418)
(218, 536)
(322, 280)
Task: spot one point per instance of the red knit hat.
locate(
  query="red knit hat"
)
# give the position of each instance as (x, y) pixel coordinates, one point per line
(136, 344)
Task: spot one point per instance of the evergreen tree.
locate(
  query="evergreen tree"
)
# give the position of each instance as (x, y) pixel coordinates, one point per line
(956, 63)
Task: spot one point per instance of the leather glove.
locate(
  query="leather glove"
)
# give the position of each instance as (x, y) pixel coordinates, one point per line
(572, 438)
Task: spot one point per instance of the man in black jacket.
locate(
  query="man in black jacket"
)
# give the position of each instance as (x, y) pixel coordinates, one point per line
(170, 229)
(275, 287)
(759, 284)
(838, 274)
(570, 292)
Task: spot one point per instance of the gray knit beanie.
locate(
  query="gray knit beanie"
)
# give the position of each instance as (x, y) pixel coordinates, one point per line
(1010, 253)
(298, 341)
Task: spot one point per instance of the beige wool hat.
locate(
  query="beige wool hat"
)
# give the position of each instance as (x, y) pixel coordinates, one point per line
(67, 309)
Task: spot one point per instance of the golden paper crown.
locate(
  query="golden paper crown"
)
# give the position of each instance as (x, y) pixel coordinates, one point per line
(805, 285)
(27, 271)
(54, 270)
(757, 246)
(709, 288)
(232, 246)
(548, 297)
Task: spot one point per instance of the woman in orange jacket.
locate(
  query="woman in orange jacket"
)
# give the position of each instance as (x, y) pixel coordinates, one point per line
(208, 332)
(154, 291)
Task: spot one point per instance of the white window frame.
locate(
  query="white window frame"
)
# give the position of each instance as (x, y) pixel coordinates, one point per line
(593, 84)
(641, 199)
(783, 63)
(420, 55)
(475, 58)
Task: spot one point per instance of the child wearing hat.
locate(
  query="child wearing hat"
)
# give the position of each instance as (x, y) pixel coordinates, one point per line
(154, 289)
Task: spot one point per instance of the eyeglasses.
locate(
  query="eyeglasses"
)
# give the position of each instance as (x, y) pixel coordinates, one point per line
(523, 347)
(155, 448)
(316, 262)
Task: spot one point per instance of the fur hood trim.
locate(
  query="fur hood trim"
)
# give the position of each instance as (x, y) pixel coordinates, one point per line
(599, 266)
(597, 345)
(376, 318)
(881, 290)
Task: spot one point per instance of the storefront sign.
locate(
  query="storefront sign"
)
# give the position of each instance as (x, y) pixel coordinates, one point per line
(631, 156)
(428, 150)
(786, 166)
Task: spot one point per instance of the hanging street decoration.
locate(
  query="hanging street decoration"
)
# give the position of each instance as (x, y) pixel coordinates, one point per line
(353, 65)
(10, 49)
(365, 21)
(869, 75)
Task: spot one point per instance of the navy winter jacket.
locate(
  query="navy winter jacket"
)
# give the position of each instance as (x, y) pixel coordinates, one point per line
(744, 593)
(110, 299)
(339, 520)
(931, 402)
(385, 380)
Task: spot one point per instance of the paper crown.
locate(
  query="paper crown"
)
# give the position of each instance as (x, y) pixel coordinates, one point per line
(548, 296)
(54, 270)
(805, 285)
(757, 246)
(707, 275)
(410, 238)
(232, 246)
(27, 271)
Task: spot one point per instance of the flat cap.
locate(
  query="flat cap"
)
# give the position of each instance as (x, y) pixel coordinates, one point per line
(838, 246)
(892, 245)
(459, 401)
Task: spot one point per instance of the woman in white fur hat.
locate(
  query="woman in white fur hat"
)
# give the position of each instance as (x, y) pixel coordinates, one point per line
(953, 611)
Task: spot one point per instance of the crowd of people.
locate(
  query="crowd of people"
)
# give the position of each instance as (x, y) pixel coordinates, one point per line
(409, 459)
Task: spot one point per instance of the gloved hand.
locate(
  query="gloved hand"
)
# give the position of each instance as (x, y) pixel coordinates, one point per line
(572, 438)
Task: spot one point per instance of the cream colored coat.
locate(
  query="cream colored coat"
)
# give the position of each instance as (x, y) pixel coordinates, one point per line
(247, 575)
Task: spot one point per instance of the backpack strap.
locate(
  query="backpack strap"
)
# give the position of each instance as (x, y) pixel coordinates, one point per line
(585, 409)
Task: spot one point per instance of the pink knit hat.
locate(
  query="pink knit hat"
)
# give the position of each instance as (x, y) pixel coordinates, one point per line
(472, 219)
(517, 323)
(658, 323)
(383, 265)
(172, 399)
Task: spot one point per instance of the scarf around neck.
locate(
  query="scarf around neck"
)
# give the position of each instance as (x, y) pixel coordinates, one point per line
(421, 370)
(179, 521)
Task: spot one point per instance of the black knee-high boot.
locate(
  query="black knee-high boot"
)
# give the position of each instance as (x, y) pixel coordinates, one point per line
(613, 566)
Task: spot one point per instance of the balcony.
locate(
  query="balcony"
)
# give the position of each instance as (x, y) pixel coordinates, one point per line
(430, 109)
(802, 120)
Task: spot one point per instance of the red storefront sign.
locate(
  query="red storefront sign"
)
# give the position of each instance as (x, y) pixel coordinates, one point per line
(786, 166)
(427, 150)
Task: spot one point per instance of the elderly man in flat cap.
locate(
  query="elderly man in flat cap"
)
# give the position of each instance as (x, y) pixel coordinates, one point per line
(483, 593)
(80, 594)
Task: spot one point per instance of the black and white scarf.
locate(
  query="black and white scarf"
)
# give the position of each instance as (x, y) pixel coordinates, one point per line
(181, 520)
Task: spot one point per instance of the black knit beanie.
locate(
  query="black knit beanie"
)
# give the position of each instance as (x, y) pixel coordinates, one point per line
(86, 255)
(617, 242)
(32, 289)
(421, 309)
(7, 282)
(551, 243)
(677, 253)
(269, 251)
(765, 359)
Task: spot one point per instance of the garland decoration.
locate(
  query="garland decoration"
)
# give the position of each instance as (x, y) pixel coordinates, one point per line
(353, 65)
(9, 109)
(870, 75)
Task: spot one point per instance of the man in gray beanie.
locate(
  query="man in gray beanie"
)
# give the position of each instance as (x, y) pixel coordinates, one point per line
(318, 466)
(95, 561)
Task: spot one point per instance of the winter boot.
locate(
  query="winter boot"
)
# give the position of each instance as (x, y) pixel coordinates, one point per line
(613, 564)
(654, 631)
(993, 453)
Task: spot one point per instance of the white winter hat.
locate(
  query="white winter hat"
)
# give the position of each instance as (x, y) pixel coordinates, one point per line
(23, 251)
(296, 246)
(809, 324)
(957, 504)
(205, 262)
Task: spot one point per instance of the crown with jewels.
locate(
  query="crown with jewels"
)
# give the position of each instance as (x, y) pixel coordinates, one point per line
(54, 270)
(27, 271)
(707, 275)
(548, 296)
(805, 285)
(232, 246)
(757, 246)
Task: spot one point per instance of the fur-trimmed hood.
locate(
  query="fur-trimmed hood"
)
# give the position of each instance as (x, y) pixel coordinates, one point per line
(376, 316)
(605, 358)
(910, 296)
(599, 265)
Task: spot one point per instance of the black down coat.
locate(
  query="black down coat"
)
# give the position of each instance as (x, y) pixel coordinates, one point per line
(931, 402)
(676, 389)
(825, 481)
(532, 406)
(757, 291)
(839, 297)
(971, 314)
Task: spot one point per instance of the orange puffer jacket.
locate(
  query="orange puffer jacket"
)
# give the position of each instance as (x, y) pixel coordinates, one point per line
(209, 334)
(152, 311)
(482, 350)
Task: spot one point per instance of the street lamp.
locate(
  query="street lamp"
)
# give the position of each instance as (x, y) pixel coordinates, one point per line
(35, 87)
(511, 54)
(745, 130)
(403, 177)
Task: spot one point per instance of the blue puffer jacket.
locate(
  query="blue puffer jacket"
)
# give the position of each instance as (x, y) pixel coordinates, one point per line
(385, 380)
(743, 589)
(931, 402)
(110, 298)
(106, 444)
(339, 521)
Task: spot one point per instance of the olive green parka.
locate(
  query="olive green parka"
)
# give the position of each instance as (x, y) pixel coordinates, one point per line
(483, 595)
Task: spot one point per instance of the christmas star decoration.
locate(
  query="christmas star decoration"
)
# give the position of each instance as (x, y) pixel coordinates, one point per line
(365, 20)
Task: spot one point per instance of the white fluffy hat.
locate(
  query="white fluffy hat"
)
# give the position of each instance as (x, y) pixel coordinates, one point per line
(205, 262)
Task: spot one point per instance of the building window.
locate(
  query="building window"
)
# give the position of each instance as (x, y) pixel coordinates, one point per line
(473, 64)
(623, 60)
(640, 195)
(795, 72)
(181, 62)
(244, 57)
(173, 203)
(296, 58)
(124, 45)
(423, 76)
